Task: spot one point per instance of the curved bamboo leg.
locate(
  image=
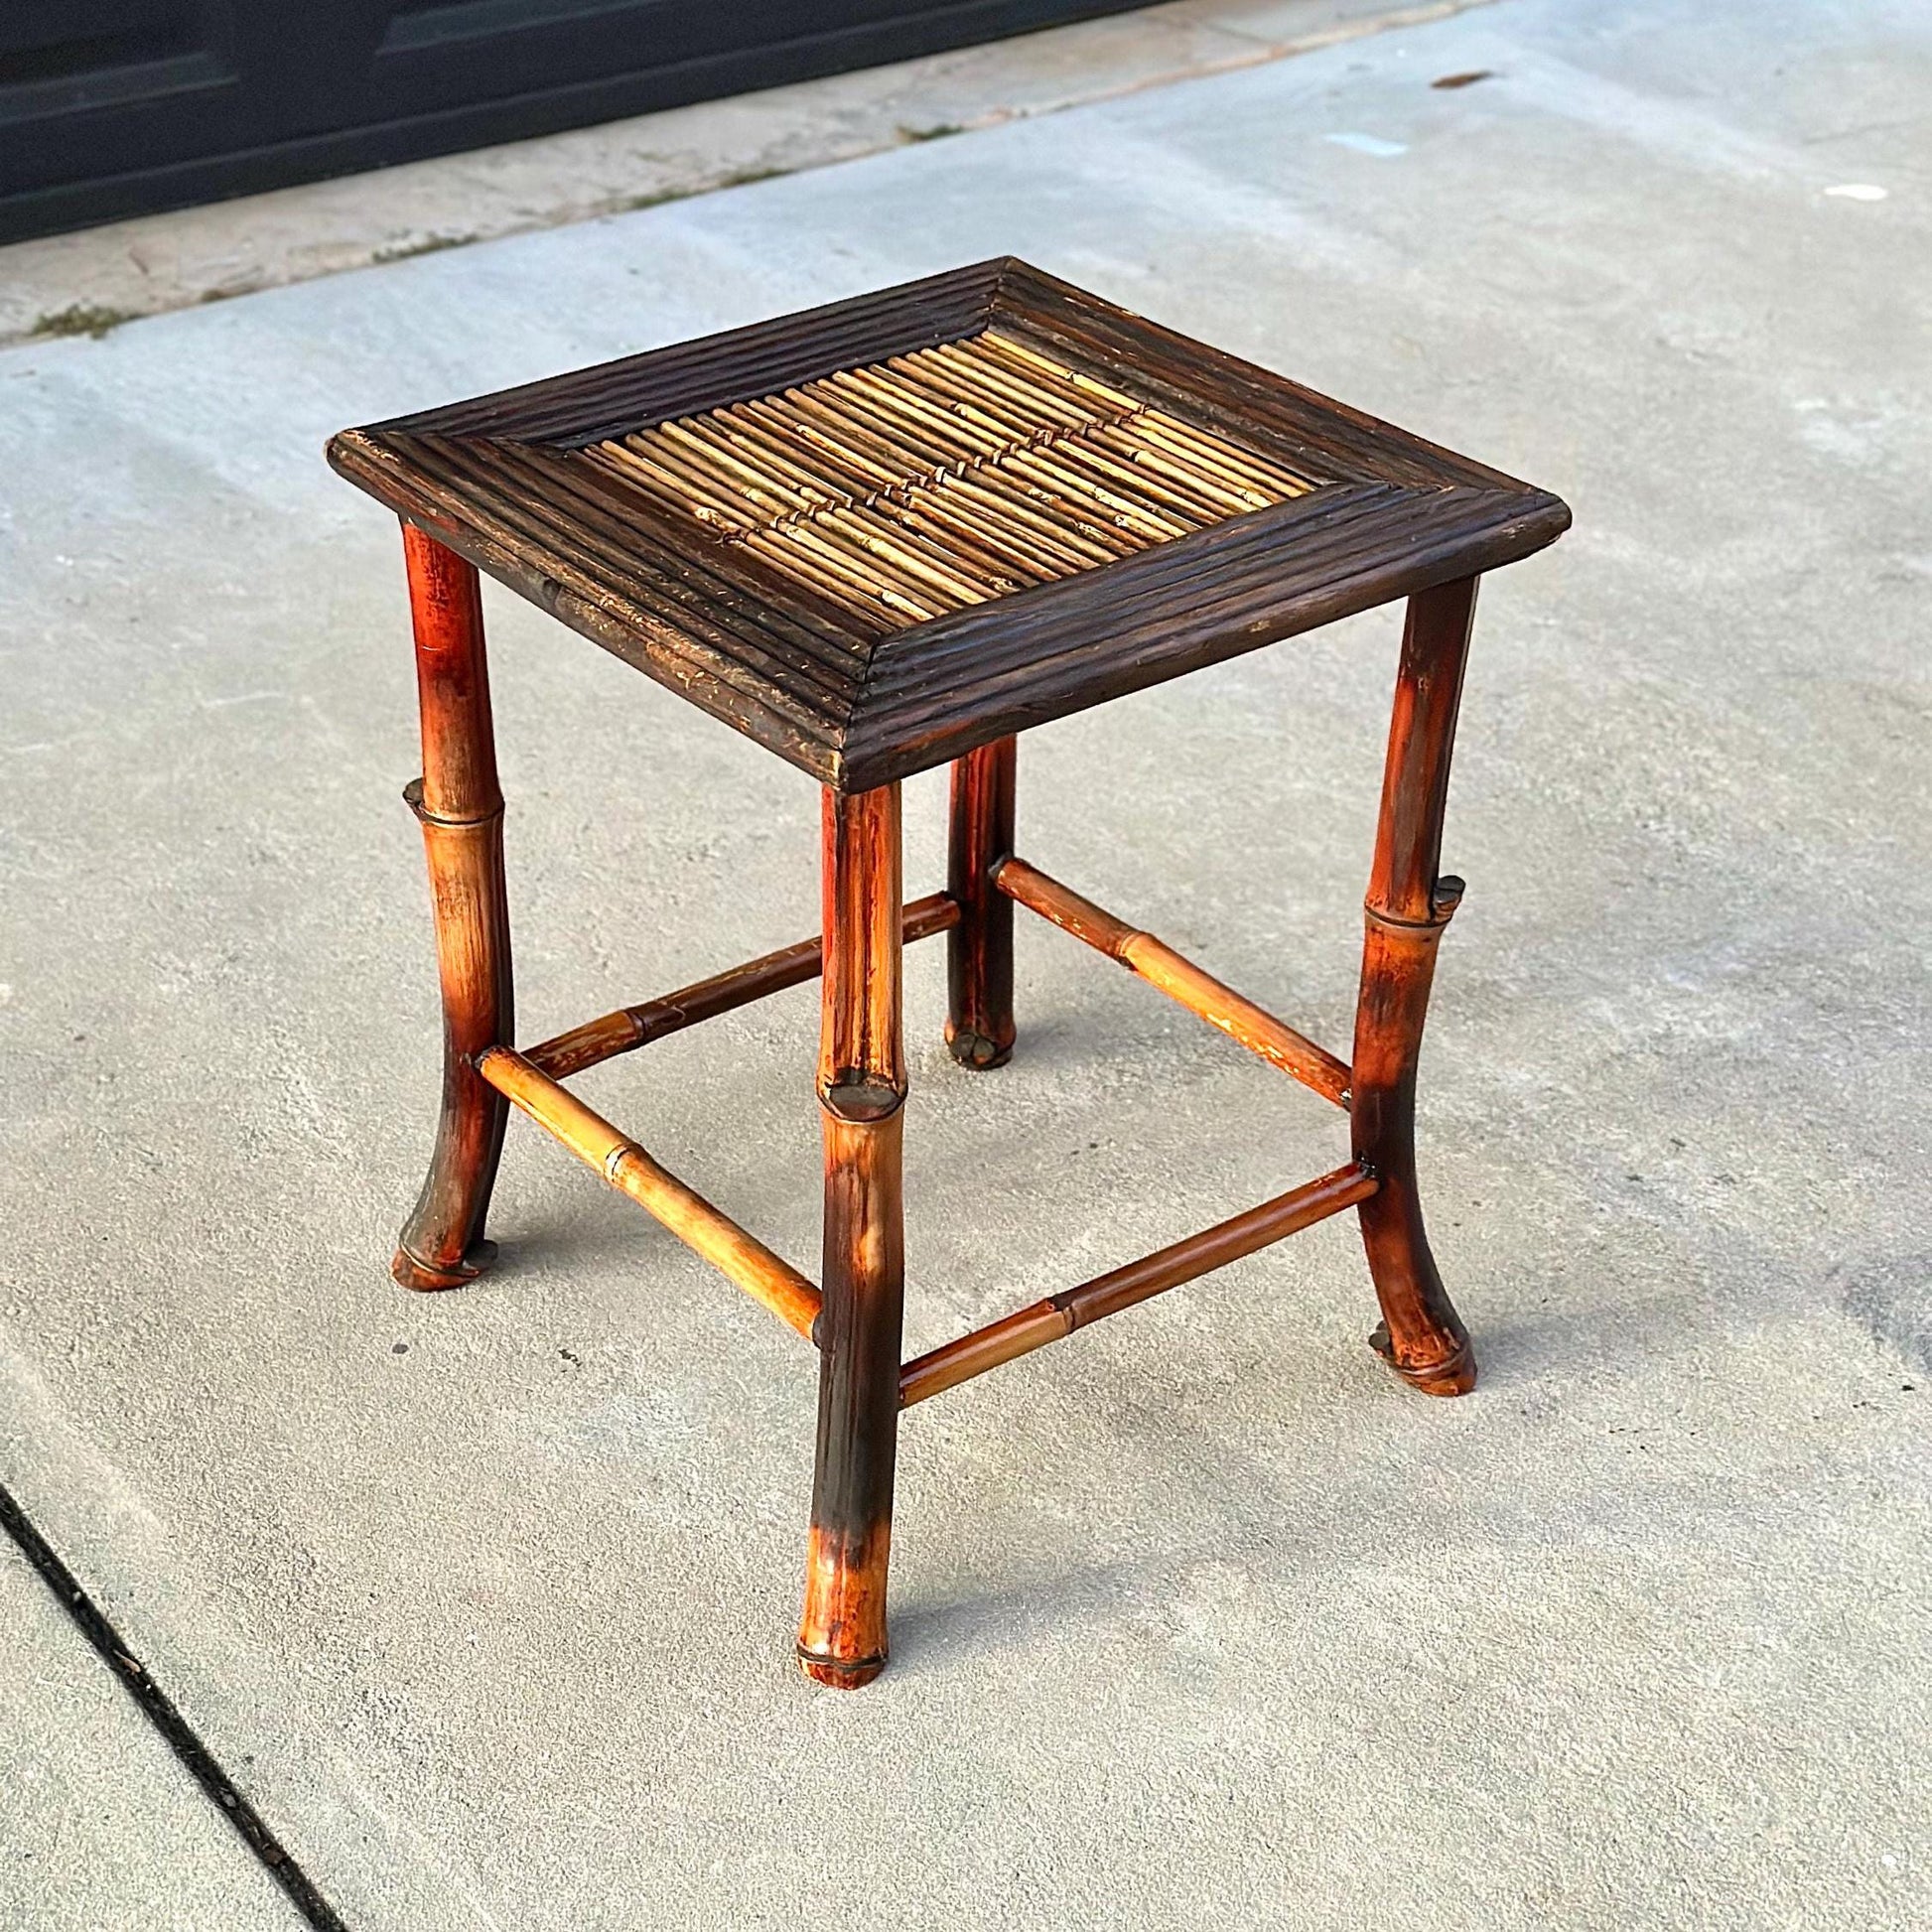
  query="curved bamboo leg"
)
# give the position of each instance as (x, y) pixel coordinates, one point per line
(461, 809)
(1408, 906)
(862, 1094)
(979, 949)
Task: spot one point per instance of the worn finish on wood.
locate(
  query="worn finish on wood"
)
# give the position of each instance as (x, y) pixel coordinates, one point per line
(762, 1275)
(888, 533)
(461, 809)
(1139, 1281)
(1180, 979)
(1408, 906)
(633, 1027)
(1033, 501)
(862, 1095)
(978, 955)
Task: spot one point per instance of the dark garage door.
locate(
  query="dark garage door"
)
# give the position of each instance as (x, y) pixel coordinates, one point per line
(112, 107)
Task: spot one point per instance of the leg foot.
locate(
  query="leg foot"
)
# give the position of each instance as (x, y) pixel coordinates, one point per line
(839, 1676)
(842, 1635)
(975, 1050)
(1455, 1375)
(426, 1278)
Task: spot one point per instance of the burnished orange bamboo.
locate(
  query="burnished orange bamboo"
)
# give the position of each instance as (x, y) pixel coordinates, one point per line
(460, 807)
(629, 1027)
(979, 955)
(862, 1092)
(1139, 1281)
(1180, 979)
(1408, 906)
(764, 1275)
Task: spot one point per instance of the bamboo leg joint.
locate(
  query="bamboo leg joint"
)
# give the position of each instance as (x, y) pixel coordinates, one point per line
(1444, 899)
(861, 1099)
(412, 796)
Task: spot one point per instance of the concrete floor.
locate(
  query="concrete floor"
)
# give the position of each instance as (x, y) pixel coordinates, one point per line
(100, 1826)
(1201, 1617)
(95, 279)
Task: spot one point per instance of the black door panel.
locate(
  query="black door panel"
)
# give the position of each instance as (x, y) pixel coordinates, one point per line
(115, 107)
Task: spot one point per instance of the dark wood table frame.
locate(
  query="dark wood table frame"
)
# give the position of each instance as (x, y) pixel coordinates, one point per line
(855, 1321)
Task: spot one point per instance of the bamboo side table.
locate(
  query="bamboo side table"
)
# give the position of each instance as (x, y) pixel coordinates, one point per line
(877, 537)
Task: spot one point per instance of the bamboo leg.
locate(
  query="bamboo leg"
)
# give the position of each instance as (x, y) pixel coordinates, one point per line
(861, 1093)
(979, 952)
(461, 809)
(1408, 906)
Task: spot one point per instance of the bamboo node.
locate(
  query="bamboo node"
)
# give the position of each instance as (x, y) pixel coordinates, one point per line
(860, 1097)
(1444, 896)
(412, 796)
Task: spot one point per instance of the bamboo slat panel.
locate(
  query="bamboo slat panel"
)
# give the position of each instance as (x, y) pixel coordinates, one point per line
(947, 477)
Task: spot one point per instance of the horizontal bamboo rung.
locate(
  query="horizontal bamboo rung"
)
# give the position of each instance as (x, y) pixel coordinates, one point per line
(1139, 1281)
(1179, 978)
(633, 1027)
(628, 1169)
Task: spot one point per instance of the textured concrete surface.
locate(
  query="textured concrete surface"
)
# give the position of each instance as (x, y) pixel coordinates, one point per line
(1200, 1618)
(99, 1824)
(94, 280)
